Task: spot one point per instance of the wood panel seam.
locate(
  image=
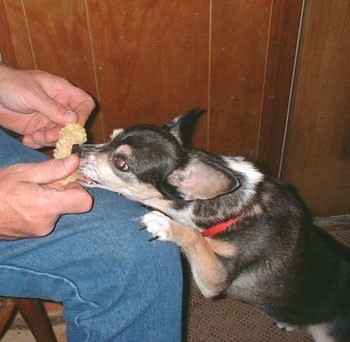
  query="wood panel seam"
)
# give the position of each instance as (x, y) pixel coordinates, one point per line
(29, 34)
(209, 71)
(94, 66)
(291, 91)
(264, 80)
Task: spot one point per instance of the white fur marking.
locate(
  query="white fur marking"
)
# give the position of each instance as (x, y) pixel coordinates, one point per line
(157, 224)
(116, 132)
(320, 333)
(286, 327)
(240, 165)
(251, 174)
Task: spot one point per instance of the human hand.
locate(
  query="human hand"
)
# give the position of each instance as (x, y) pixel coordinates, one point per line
(30, 202)
(37, 104)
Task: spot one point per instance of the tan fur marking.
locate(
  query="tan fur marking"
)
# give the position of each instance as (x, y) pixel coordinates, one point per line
(222, 248)
(124, 149)
(158, 203)
(209, 273)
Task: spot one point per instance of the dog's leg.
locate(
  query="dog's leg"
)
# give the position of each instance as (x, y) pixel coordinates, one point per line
(320, 333)
(336, 330)
(208, 271)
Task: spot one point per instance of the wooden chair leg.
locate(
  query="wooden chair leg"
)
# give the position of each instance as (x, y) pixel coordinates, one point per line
(7, 309)
(34, 314)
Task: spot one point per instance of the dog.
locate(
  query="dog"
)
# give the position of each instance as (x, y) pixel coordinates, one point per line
(243, 232)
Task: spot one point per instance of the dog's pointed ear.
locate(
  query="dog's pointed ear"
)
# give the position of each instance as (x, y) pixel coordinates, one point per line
(198, 180)
(183, 126)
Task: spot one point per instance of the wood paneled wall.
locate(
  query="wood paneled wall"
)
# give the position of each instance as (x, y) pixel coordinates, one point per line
(317, 157)
(147, 61)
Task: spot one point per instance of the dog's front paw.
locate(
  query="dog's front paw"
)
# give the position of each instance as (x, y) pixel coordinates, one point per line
(158, 224)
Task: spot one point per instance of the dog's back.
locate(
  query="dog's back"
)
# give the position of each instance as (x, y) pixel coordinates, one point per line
(302, 274)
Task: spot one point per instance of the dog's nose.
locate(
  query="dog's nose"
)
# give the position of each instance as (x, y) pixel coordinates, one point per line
(76, 149)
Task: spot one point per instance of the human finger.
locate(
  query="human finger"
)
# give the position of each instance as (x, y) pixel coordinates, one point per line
(49, 171)
(70, 96)
(28, 141)
(71, 200)
(82, 104)
(47, 137)
(53, 109)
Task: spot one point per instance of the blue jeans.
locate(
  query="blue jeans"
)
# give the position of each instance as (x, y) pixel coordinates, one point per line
(114, 284)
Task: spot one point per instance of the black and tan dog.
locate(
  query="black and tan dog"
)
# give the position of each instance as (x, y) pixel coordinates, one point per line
(243, 232)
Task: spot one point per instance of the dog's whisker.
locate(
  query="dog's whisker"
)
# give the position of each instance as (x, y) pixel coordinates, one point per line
(155, 237)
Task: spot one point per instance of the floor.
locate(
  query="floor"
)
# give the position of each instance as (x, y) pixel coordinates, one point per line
(205, 320)
(24, 335)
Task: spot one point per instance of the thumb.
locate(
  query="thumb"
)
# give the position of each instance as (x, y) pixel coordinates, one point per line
(54, 110)
(52, 170)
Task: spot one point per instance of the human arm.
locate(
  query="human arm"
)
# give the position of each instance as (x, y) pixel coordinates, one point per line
(34, 104)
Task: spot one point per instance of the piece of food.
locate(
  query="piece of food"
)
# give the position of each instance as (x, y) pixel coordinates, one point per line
(70, 134)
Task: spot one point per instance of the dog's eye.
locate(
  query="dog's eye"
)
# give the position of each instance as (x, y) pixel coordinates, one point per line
(120, 163)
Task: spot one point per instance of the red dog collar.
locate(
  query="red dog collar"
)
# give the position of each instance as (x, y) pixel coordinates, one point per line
(219, 227)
